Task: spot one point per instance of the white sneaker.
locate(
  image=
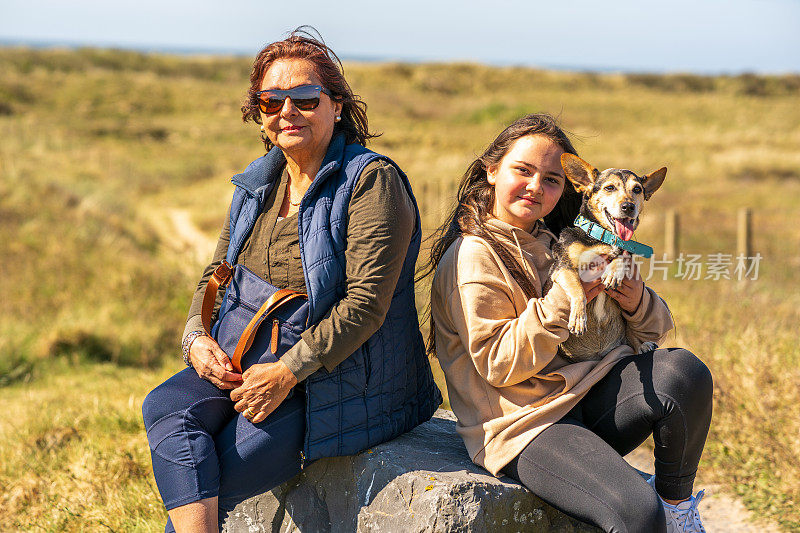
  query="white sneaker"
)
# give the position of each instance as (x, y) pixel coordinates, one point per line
(684, 517)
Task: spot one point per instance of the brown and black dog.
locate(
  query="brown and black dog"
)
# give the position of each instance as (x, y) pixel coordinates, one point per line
(612, 199)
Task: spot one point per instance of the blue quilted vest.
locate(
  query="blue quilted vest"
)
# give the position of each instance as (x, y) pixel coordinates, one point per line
(385, 387)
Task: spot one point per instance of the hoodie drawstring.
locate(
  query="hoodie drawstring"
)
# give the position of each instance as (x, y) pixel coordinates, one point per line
(525, 264)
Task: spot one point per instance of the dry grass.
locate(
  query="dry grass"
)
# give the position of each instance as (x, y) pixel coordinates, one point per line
(98, 145)
(74, 454)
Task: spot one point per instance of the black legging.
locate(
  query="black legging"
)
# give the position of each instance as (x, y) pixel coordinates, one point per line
(576, 464)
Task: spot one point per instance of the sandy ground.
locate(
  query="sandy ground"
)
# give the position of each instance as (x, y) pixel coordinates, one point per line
(721, 512)
(190, 237)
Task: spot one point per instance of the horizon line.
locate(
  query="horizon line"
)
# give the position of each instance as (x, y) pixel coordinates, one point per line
(9, 42)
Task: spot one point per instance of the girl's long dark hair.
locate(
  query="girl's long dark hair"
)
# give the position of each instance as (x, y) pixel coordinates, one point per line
(475, 199)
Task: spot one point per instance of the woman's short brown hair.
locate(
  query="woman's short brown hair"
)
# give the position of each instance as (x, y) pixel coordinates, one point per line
(301, 44)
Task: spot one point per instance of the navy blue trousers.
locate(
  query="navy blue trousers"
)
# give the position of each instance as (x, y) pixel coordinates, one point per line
(201, 447)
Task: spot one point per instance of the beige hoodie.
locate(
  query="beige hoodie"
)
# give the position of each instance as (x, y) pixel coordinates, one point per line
(498, 349)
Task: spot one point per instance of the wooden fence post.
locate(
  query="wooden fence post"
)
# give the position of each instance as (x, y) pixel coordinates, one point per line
(443, 200)
(424, 203)
(744, 230)
(671, 230)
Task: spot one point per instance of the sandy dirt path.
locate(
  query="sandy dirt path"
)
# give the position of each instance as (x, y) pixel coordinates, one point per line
(188, 237)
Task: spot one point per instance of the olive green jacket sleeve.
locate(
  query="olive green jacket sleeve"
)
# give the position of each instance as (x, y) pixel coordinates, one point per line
(194, 322)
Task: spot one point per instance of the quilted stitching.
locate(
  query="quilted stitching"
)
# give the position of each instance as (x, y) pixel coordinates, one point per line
(386, 387)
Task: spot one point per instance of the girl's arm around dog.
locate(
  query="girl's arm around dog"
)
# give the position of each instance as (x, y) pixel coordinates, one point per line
(509, 338)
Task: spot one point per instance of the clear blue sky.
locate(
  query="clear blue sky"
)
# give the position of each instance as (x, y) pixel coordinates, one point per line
(710, 36)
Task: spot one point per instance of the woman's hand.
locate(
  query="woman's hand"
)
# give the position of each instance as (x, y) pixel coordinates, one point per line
(629, 293)
(213, 364)
(263, 389)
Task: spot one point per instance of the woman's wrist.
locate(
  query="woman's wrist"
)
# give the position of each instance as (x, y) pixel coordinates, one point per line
(301, 360)
(186, 345)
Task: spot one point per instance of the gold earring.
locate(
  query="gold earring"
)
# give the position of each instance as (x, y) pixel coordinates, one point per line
(262, 128)
(337, 119)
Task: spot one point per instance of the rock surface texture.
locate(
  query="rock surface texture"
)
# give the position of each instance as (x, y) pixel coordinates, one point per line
(421, 481)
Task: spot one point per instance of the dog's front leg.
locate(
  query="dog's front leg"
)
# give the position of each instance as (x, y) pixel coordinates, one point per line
(571, 283)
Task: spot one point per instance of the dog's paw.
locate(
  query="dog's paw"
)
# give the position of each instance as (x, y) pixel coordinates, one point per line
(577, 320)
(610, 280)
(648, 346)
(614, 274)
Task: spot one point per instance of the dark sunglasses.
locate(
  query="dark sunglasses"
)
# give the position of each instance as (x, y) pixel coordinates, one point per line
(304, 98)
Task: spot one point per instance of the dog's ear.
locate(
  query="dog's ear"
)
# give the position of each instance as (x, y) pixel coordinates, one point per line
(651, 182)
(579, 172)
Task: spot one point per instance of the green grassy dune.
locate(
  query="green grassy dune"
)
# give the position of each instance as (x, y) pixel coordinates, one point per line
(99, 147)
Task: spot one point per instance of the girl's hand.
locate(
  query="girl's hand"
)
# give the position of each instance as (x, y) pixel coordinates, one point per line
(213, 364)
(591, 276)
(263, 389)
(629, 293)
(592, 289)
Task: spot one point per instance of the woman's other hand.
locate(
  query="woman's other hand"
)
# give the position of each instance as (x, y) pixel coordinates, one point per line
(263, 389)
(213, 364)
(629, 293)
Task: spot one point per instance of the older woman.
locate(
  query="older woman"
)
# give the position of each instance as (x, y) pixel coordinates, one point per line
(321, 214)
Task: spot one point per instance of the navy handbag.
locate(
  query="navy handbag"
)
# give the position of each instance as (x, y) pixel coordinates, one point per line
(257, 322)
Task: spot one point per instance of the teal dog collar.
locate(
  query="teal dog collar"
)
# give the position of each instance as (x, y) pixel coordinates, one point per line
(598, 232)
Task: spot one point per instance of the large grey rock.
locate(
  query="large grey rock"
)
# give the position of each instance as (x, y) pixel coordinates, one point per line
(421, 481)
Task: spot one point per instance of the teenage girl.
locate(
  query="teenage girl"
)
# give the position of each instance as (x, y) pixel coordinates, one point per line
(559, 428)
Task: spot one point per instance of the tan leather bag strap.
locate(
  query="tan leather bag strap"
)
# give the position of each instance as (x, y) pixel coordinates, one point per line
(218, 279)
(275, 301)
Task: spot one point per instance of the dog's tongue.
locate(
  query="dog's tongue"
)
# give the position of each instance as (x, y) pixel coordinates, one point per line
(623, 228)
